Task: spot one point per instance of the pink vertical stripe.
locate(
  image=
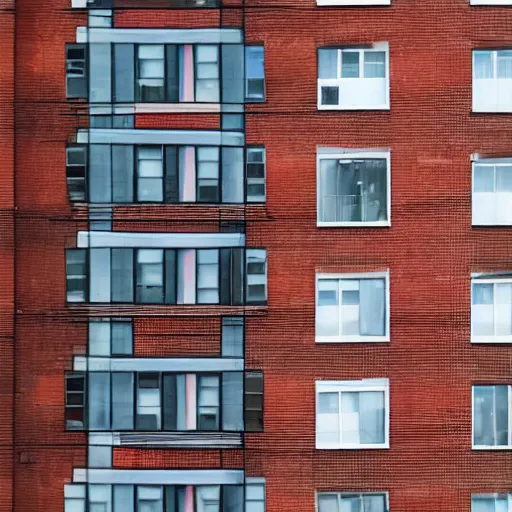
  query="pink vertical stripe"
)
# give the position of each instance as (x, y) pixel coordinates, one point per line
(188, 181)
(188, 73)
(189, 276)
(190, 409)
(189, 498)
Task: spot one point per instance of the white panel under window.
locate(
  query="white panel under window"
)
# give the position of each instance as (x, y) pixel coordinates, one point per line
(352, 415)
(352, 307)
(492, 193)
(353, 79)
(491, 310)
(492, 80)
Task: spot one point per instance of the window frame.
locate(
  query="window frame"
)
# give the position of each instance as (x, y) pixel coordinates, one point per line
(247, 97)
(335, 82)
(255, 181)
(341, 494)
(363, 155)
(491, 339)
(509, 425)
(332, 386)
(77, 375)
(356, 338)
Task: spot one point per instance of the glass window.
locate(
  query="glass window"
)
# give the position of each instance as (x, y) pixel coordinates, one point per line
(150, 276)
(351, 416)
(75, 401)
(491, 416)
(208, 174)
(148, 402)
(76, 172)
(255, 171)
(345, 502)
(207, 73)
(374, 64)
(150, 173)
(353, 190)
(208, 276)
(208, 498)
(483, 64)
(504, 63)
(351, 309)
(254, 495)
(256, 275)
(76, 275)
(491, 310)
(349, 64)
(208, 406)
(150, 73)
(491, 503)
(254, 401)
(255, 72)
(327, 63)
(149, 498)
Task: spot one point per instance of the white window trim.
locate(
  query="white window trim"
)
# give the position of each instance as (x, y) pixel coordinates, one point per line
(486, 447)
(357, 339)
(490, 2)
(491, 339)
(326, 386)
(347, 493)
(354, 2)
(385, 155)
(378, 47)
(488, 163)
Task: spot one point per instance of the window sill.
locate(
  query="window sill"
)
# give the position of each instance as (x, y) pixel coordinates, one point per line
(492, 448)
(490, 340)
(353, 339)
(355, 107)
(352, 2)
(384, 446)
(504, 111)
(491, 224)
(355, 224)
(490, 2)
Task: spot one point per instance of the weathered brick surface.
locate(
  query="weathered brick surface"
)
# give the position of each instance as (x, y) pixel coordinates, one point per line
(431, 249)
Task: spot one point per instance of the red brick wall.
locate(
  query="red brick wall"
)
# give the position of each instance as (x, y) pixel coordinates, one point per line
(431, 249)
(6, 251)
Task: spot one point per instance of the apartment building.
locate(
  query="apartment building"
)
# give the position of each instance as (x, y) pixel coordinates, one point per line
(263, 259)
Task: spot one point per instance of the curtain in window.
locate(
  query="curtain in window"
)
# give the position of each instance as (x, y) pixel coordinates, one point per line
(371, 417)
(503, 305)
(372, 310)
(99, 401)
(186, 66)
(350, 504)
(328, 63)
(374, 64)
(505, 64)
(490, 416)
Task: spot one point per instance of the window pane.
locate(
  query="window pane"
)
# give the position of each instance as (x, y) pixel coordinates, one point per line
(504, 178)
(350, 418)
(374, 503)
(151, 51)
(371, 417)
(349, 64)
(327, 63)
(374, 64)
(483, 294)
(350, 504)
(150, 189)
(483, 178)
(328, 418)
(483, 428)
(330, 96)
(482, 505)
(505, 64)
(328, 503)
(207, 53)
(254, 62)
(501, 401)
(483, 65)
(503, 305)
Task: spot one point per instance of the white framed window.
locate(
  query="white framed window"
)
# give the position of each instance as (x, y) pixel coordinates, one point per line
(491, 503)
(492, 192)
(491, 309)
(492, 80)
(492, 418)
(353, 78)
(350, 501)
(352, 414)
(353, 2)
(353, 189)
(352, 307)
